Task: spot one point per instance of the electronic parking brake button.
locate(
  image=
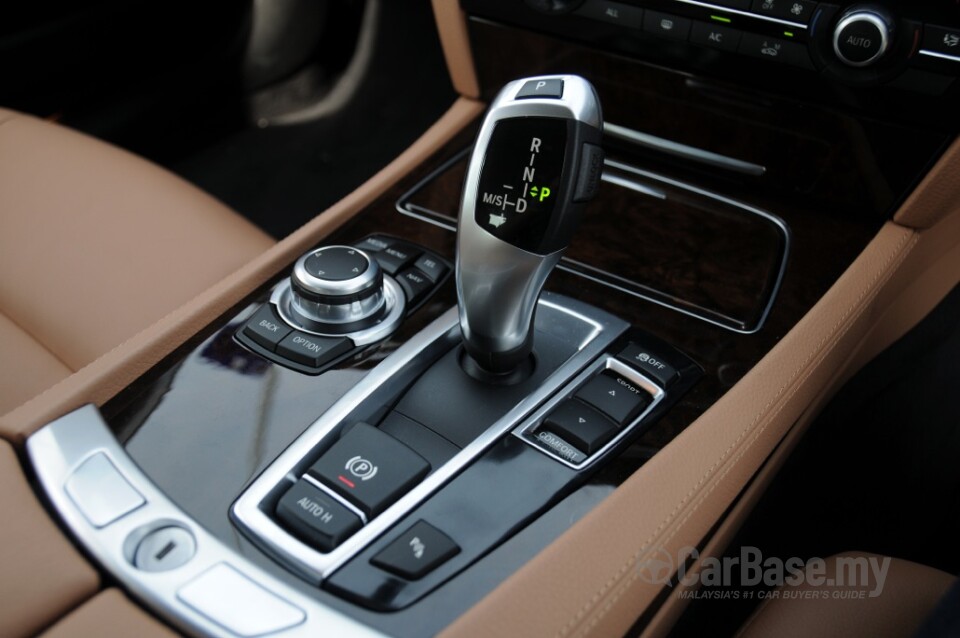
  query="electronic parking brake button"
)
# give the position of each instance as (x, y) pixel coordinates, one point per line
(370, 468)
(315, 517)
(416, 552)
(579, 425)
(311, 350)
(266, 328)
(649, 363)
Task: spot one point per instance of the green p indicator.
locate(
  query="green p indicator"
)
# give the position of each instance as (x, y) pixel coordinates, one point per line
(544, 193)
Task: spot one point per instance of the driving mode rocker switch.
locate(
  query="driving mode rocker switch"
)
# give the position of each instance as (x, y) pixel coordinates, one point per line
(369, 468)
(580, 425)
(416, 552)
(615, 396)
(315, 517)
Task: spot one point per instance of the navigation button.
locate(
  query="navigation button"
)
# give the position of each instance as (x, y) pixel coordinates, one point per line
(415, 285)
(266, 328)
(370, 468)
(717, 37)
(666, 25)
(316, 517)
(416, 552)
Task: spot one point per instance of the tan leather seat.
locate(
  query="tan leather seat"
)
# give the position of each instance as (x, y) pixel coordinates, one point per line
(892, 606)
(95, 245)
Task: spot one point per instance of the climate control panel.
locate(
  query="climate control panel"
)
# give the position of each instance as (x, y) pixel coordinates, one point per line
(908, 46)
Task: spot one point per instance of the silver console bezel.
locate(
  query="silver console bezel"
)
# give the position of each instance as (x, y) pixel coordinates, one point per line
(525, 431)
(59, 448)
(593, 331)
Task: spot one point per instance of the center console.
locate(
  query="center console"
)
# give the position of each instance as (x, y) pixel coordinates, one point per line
(381, 434)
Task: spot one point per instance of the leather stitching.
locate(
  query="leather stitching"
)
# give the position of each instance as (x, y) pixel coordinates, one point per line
(884, 269)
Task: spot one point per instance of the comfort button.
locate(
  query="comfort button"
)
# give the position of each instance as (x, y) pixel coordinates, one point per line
(311, 350)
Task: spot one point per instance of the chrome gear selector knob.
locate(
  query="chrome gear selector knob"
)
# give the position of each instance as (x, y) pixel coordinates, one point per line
(536, 163)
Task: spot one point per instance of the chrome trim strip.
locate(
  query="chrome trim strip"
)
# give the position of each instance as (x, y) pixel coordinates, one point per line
(787, 242)
(592, 329)
(606, 280)
(682, 150)
(57, 449)
(942, 56)
(706, 5)
(339, 499)
(525, 430)
(632, 185)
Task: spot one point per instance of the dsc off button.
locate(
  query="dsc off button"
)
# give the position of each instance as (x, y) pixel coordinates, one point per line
(649, 363)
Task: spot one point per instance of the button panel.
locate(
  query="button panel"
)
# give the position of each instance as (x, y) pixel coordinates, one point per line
(611, 399)
(417, 272)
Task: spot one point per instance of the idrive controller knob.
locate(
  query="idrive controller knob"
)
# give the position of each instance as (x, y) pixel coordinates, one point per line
(338, 287)
(536, 162)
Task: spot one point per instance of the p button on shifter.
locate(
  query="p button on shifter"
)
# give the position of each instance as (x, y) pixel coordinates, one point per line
(370, 468)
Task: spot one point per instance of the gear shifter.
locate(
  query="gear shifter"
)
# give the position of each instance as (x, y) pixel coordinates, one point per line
(536, 162)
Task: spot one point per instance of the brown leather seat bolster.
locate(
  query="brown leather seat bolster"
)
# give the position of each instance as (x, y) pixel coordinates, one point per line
(109, 614)
(891, 602)
(96, 244)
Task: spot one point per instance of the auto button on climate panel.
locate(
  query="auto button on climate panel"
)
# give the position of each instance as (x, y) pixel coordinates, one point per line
(370, 468)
